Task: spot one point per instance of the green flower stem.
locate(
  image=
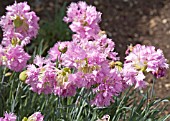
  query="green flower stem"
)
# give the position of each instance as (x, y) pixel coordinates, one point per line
(3, 75)
(16, 95)
(152, 88)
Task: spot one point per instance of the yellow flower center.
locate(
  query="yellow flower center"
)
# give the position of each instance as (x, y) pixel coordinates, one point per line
(63, 75)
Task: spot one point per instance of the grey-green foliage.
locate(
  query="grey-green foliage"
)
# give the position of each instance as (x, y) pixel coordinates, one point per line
(55, 29)
(52, 29)
(16, 97)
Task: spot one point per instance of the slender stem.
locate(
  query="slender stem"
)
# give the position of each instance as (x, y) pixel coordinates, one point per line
(80, 94)
(120, 104)
(3, 75)
(1, 85)
(16, 95)
(80, 111)
(152, 89)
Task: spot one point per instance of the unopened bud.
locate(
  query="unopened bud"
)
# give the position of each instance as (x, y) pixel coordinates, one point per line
(102, 33)
(118, 63)
(62, 50)
(130, 49)
(8, 74)
(23, 76)
(112, 64)
(67, 70)
(25, 119)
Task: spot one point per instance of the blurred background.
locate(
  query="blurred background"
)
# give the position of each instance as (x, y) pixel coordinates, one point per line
(125, 21)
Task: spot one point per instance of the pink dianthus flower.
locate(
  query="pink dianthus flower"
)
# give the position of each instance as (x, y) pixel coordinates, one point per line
(41, 76)
(37, 116)
(19, 24)
(8, 117)
(143, 59)
(109, 85)
(84, 19)
(15, 58)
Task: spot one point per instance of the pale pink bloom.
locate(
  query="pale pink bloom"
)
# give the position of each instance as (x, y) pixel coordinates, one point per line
(41, 77)
(104, 118)
(8, 117)
(109, 85)
(37, 116)
(19, 24)
(143, 59)
(84, 19)
(15, 58)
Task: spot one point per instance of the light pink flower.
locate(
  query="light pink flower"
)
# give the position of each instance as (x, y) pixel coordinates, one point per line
(8, 117)
(109, 85)
(41, 77)
(143, 59)
(19, 24)
(37, 116)
(84, 19)
(15, 58)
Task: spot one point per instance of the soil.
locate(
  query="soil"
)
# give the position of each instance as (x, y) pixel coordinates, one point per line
(125, 21)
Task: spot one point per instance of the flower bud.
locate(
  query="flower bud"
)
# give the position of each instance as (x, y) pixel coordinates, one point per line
(112, 64)
(102, 33)
(23, 76)
(130, 49)
(62, 50)
(118, 63)
(25, 119)
(8, 74)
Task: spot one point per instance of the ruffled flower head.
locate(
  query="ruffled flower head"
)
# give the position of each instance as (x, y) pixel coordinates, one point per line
(37, 116)
(15, 58)
(41, 75)
(143, 59)
(19, 24)
(8, 117)
(84, 19)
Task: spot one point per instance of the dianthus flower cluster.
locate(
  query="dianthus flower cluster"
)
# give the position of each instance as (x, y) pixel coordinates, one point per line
(84, 20)
(15, 58)
(37, 116)
(72, 65)
(8, 117)
(89, 61)
(143, 59)
(19, 26)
